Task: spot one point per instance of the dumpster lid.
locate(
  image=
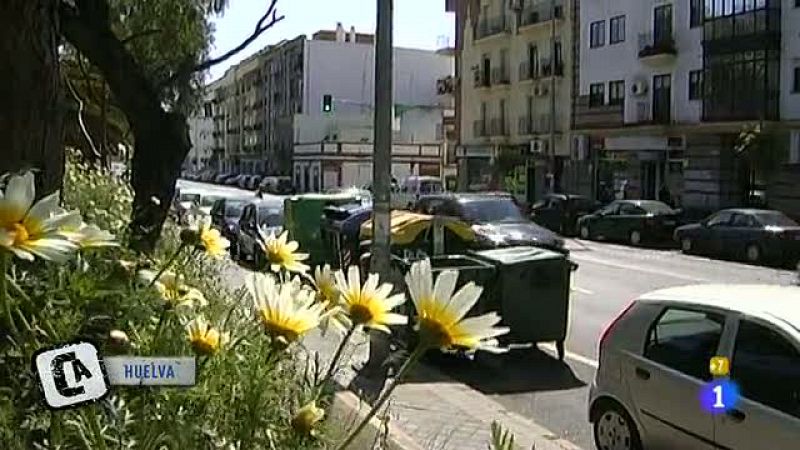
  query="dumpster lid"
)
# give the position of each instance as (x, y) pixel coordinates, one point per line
(511, 255)
(407, 226)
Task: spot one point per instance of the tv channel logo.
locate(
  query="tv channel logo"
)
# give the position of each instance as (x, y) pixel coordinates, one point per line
(70, 375)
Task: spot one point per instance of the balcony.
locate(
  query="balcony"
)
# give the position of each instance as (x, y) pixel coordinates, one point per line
(500, 77)
(657, 48)
(527, 71)
(479, 128)
(498, 127)
(549, 69)
(598, 116)
(446, 85)
(534, 125)
(491, 26)
(755, 30)
(481, 80)
(539, 14)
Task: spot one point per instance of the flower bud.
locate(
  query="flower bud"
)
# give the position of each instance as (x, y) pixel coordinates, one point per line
(307, 418)
(118, 340)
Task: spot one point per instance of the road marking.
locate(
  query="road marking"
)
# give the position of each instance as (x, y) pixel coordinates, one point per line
(583, 291)
(641, 269)
(551, 348)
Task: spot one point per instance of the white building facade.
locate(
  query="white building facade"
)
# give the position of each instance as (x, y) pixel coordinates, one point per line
(666, 89)
(201, 134)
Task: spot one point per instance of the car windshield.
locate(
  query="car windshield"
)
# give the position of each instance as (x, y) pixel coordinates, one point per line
(270, 217)
(656, 207)
(430, 187)
(233, 209)
(492, 210)
(775, 219)
(190, 197)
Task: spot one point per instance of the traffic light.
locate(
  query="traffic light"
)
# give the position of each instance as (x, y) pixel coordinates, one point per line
(327, 103)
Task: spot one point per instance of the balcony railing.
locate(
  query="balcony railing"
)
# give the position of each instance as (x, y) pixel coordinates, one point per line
(500, 76)
(499, 127)
(746, 31)
(541, 12)
(490, 26)
(651, 45)
(598, 116)
(479, 128)
(528, 71)
(525, 125)
(549, 69)
(446, 85)
(539, 124)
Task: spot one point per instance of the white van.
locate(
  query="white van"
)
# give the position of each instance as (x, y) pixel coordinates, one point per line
(412, 188)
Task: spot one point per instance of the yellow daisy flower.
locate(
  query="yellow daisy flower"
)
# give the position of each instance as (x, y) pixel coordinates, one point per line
(282, 253)
(204, 338)
(173, 290)
(286, 312)
(440, 313)
(29, 230)
(207, 238)
(328, 294)
(369, 305)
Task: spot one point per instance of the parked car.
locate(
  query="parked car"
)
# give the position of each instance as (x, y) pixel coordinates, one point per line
(496, 219)
(220, 179)
(413, 188)
(234, 180)
(225, 217)
(755, 235)
(254, 182)
(560, 212)
(633, 221)
(654, 360)
(265, 214)
(243, 181)
(277, 185)
(207, 202)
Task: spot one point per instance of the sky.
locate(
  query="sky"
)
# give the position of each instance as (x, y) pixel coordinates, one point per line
(417, 23)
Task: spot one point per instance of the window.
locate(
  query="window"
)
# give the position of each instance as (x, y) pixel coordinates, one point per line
(685, 340)
(796, 80)
(766, 366)
(628, 209)
(597, 34)
(743, 221)
(794, 147)
(616, 33)
(208, 109)
(696, 85)
(695, 13)
(597, 95)
(722, 218)
(616, 92)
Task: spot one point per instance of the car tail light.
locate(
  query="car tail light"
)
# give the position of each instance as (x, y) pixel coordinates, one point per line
(610, 327)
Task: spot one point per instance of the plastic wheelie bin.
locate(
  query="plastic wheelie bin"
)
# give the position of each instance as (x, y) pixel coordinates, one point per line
(303, 216)
(531, 290)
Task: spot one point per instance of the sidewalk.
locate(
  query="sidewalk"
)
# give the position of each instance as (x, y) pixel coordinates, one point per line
(430, 408)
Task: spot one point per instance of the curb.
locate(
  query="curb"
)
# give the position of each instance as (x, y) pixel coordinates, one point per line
(348, 410)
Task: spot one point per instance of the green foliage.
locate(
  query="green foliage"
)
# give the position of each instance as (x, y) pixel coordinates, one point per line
(245, 395)
(760, 150)
(502, 439)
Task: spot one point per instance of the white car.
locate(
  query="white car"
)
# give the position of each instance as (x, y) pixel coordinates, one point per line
(655, 358)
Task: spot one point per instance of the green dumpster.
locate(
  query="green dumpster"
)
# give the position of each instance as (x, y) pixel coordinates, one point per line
(531, 290)
(303, 215)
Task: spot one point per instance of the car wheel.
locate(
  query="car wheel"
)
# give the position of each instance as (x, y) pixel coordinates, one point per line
(635, 238)
(687, 246)
(585, 232)
(615, 430)
(753, 253)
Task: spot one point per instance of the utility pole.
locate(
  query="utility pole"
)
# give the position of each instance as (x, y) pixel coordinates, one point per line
(382, 159)
(553, 60)
(381, 171)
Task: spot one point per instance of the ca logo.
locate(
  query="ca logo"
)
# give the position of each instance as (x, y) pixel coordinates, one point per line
(70, 375)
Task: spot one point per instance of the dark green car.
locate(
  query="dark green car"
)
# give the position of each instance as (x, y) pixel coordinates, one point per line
(632, 221)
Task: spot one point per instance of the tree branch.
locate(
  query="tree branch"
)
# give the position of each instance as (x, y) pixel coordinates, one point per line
(267, 21)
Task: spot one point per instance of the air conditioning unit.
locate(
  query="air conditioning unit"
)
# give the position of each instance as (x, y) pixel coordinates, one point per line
(538, 146)
(639, 88)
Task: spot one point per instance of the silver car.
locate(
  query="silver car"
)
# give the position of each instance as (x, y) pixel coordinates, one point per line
(655, 358)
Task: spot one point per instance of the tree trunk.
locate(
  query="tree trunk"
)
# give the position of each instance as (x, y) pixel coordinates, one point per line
(162, 138)
(31, 116)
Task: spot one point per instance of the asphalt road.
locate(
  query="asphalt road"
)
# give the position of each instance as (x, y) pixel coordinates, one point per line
(535, 384)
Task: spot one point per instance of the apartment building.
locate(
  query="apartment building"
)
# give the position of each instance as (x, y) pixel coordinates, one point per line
(201, 134)
(515, 91)
(666, 90)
